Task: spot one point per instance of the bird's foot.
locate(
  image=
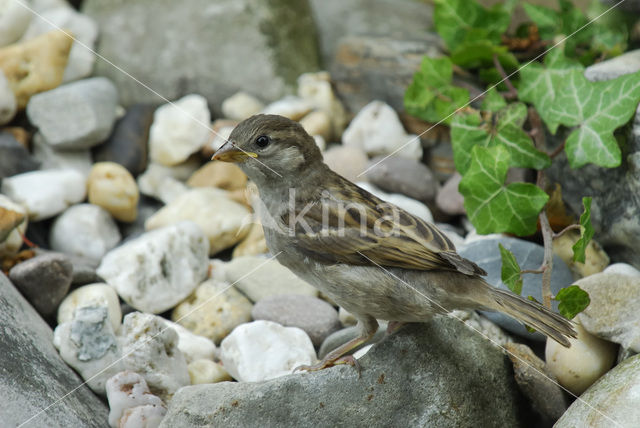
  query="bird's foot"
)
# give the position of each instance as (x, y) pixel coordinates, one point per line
(394, 326)
(330, 362)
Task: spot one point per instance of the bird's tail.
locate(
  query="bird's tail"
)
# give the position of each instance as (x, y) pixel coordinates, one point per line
(534, 315)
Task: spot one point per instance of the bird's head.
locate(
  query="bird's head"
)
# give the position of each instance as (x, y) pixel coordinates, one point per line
(270, 147)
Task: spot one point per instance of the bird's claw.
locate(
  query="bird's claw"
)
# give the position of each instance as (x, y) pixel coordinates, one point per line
(325, 363)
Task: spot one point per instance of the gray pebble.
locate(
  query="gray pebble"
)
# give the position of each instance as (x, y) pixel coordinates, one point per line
(398, 174)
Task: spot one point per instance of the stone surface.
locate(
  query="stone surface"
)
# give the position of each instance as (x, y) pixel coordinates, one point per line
(193, 346)
(207, 371)
(158, 182)
(579, 366)
(253, 244)
(317, 124)
(263, 350)
(45, 193)
(44, 280)
(623, 269)
(620, 65)
(437, 375)
(113, 188)
(45, 57)
(223, 175)
(77, 115)
(412, 206)
(290, 107)
(612, 401)
(349, 162)
(128, 390)
(241, 106)
(377, 130)
(157, 270)
(84, 230)
(595, 257)
(614, 311)
(89, 345)
(150, 348)
(14, 21)
(13, 224)
(8, 104)
(317, 90)
(397, 174)
(259, 277)
(315, 317)
(30, 363)
(94, 295)
(277, 38)
(213, 310)
(449, 199)
(179, 129)
(14, 157)
(341, 337)
(84, 30)
(486, 254)
(127, 144)
(52, 158)
(220, 218)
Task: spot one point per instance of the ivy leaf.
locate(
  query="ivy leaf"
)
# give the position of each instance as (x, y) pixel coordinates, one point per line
(493, 207)
(431, 96)
(503, 128)
(479, 54)
(493, 101)
(586, 232)
(573, 300)
(510, 271)
(546, 19)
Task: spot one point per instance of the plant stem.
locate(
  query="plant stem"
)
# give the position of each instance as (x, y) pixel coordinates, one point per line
(566, 229)
(547, 261)
(513, 92)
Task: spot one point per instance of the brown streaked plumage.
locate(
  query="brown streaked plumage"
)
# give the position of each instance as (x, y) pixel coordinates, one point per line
(371, 257)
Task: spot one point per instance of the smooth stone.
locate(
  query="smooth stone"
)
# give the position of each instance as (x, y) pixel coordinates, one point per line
(220, 136)
(146, 208)
(315, 317)
(596, 259)
(92, 295)
(628, 62)
(409, 177)
(412, 206)
(349, 162)
(318, 124)
(13, 225)
(449, 199)
(14, 157)
(150, 348)
(14, 20)
(207, 371)
(341, 337)
(612, 401)
(52, 158)
(84, 230)
(320, 142)
(179, 129)
(127, 144)
(346, 318)
(158, 269)
(159, 183)
(45, 193)
(316, 88)
(263, 350)
(89, 345)
(8, 104)
(193, 346)
(85, 33)
(213, 310)
(377, 130)
(77, 115)
(128, 390)
(536, 382)
(45, 57)
(259, 278)
(579, 366)
(290, 107)
(241, 106)
(622, 269)
(253, 244)
(483, 326)
(438, 374)
(223, 175)
(486, 254)
(221, 219)
(44, 280)
(614, 311)
(28, 355)
(452, 233)
(147, 415)
(113, 188)
(84, 271)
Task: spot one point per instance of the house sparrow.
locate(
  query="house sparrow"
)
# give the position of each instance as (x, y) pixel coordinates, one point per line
(372, 258)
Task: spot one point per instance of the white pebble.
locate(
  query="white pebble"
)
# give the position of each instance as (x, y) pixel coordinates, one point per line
(128, 390)
(14, 20)
(111, 186)
(290, 107)
(317, 123)
(193, 346)
(316, 89)
(623, 269)
(8, 103)
(50, 158)
(98, 294)
(158, 182)
(207, 371)
(263, 350)
(240, 106)
(13, 240)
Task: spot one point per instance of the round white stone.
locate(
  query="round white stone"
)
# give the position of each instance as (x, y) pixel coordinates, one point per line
(207, 371)
(14, 20)
(128, 390)
(623, 269)
(241, 105)
(193, 346)
(158, 182)
(290, 107)
(50, 158)
(8, 104)
(97, 294)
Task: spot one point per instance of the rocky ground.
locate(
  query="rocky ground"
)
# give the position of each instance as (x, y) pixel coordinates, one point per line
(138, 289)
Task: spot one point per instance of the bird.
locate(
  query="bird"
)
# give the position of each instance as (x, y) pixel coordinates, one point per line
(370, 257)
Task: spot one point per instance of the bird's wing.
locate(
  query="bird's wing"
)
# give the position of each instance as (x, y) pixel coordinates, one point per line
(347, 224)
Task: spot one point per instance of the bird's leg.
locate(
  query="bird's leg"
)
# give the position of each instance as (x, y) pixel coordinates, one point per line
(368, 327)
(394, 326)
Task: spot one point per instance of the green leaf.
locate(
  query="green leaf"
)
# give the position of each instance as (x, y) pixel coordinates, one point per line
(431, 96)
(546, 19)
(573, 300)
(478, 53)
(503, 128)
(510, 271)
(586, 232)
(493, 101)
(493, 207)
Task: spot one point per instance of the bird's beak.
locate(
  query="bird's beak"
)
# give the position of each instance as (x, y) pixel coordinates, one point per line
(230, 153)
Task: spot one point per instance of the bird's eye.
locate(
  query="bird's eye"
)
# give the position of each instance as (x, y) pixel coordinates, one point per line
(262, 141)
